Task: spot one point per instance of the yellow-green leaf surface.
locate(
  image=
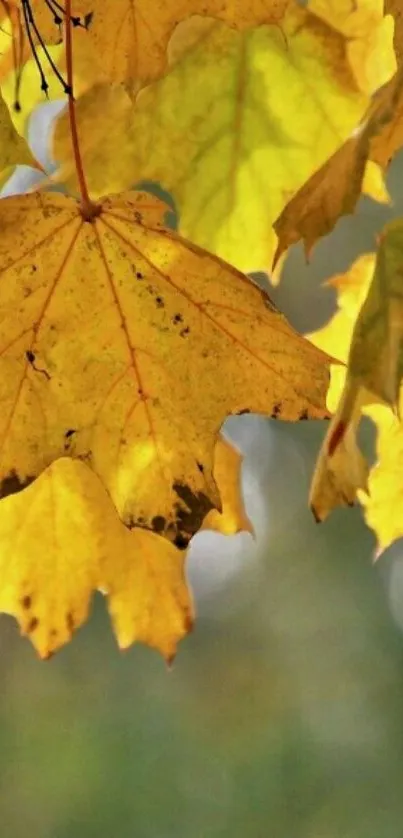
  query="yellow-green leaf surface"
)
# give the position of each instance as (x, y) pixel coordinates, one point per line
(220, 130)
(126, 346)
(61, 539)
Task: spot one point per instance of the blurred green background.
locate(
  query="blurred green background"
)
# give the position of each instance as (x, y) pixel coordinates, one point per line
(282, 715)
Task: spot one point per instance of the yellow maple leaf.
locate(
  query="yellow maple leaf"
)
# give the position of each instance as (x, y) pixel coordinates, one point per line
(61, 539)
(127, 346)
(369, 37)
(230, 161)
(383, 500)
(13, 148)
(227, 472)
(127, 41)
(374, 367)
(335, 188)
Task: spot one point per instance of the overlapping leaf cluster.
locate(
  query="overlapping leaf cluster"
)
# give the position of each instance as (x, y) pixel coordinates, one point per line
(124, 346)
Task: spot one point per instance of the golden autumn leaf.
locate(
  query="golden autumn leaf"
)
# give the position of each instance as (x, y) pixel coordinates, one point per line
(335, 188)
(61, 539)
(126, 346)
(227, 473)
(374, 372)
(369, 37)
(383, 500)
(230, 161)
(13, 148)
(127, 40)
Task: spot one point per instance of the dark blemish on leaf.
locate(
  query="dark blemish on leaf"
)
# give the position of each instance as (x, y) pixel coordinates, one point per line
(190, 512)
(178, 318)
(69, 621)
(26, 602)
(303, 415)
(88, 20)
(158, 523)
(68, 438)
(138, 217)
(34, 268)
(139, 275)
(276, 411)
(53, 632)
(181, 541)
(30, 356)
(32, 625)
(184, 332)
(12, 484)
(243, 412)
(17, 106)
(160, 302)
(200, 466)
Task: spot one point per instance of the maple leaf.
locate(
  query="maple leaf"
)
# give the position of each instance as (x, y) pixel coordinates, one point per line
(227, 473)
(374, 373)
(335, 188)
(230, 161)
(13, 148)
(123, 41)
(369, 37)
(164, 341)
(61, 539)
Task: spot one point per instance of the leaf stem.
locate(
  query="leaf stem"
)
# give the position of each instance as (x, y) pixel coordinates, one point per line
(88, 208)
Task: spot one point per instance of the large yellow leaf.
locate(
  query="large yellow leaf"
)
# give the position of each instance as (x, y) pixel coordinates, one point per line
(61, 539)
(219, 131)
(124, 345)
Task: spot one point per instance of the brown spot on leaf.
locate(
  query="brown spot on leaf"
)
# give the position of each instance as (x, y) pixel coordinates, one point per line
(243, 412)
(177, 318)
(26, 602)
(160, 302)
(70, 621)
(32, 625)
(184, 332)
(12, 483)
(158, 523)
(276, 411)
(303, 415)
(190, 512)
